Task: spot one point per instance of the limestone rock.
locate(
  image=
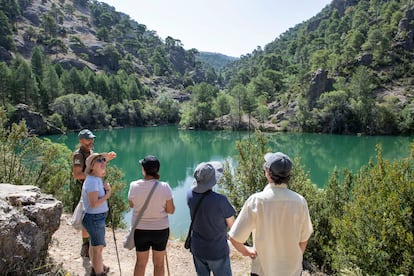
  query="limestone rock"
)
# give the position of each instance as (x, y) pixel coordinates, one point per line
(35, 121)
(405, 35)
(28, 220)
(319, 84)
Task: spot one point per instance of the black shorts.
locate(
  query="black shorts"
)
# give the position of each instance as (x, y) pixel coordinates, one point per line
(145, 239)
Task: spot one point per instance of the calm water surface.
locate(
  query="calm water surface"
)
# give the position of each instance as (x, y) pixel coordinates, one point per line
(179, 152)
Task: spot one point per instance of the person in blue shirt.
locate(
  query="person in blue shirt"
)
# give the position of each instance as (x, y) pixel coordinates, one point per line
(210, 224)
(95, 195)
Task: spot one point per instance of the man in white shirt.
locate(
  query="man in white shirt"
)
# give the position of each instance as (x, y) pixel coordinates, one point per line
(279, 220)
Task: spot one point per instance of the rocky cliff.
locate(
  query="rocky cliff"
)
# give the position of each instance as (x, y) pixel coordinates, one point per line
(28, 219)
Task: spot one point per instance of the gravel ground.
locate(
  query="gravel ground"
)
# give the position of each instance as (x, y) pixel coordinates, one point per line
(66, 243)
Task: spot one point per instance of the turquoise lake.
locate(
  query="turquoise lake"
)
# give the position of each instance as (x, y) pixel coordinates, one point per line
(179, 152)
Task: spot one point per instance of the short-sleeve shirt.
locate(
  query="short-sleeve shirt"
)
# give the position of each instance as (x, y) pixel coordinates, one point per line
(279, 220)
(79, 159)
(154, 217)
(209, 235)
(93, 184)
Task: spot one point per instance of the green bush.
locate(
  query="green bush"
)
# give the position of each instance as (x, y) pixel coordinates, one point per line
(249, 177)
(56, 120)
(118, 203)
(375, 234)
(29, 160)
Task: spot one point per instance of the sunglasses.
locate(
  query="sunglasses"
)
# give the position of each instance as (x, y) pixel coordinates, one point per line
(101, 160)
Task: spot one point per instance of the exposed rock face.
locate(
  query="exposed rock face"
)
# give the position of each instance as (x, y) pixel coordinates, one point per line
(35, 122)
(365, 59)
(28, 220)
(342, 5)
(68, 63)
(5, 55)
(319, 84)
(405, 33)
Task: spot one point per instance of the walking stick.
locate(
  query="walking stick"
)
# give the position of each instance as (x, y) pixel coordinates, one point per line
(113, 233)
(166, 261)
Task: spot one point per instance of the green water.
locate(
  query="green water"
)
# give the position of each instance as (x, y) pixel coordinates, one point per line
(179, 152)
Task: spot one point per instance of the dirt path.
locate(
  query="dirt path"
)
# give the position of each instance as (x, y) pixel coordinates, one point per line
(66, 244)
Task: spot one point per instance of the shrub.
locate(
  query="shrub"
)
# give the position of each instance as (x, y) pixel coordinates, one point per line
(30, 160)
(248, 177)
(375, 233)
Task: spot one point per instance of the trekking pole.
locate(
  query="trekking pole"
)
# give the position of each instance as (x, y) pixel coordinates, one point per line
(166, 261)
(113, 233)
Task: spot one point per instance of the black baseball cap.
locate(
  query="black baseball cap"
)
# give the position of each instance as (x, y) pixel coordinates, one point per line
(150, 164)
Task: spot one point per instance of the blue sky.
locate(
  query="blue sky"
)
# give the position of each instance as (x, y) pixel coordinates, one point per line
(230, 27)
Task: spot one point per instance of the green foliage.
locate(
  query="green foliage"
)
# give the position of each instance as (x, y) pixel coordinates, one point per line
(4, 83)
(82, 111)
(24, 87)
(49, 25)
(222, 104)
(162, 66)
(11, 9)
(31, 160)
(215, 60)
(117, 202)
(6, 33)
(128, 113)
(336, 113)
(136, 53)
(360, 42)
(199, 111)
(238, 93)
(249, 177)
(407, 119)
(249, 102)
(375, 234)
(363, 221)
(56, 120)
(168, 108)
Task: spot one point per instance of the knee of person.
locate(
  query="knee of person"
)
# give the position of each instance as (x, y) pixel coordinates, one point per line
(141, 263)
(159, 264)
(97, 249)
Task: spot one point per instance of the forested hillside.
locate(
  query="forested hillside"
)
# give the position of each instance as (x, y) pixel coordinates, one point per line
(216, 60)
(349, 69)
(82, 64)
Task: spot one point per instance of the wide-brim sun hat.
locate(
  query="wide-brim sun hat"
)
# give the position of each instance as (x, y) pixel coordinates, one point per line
(206, 175)
(90, 161)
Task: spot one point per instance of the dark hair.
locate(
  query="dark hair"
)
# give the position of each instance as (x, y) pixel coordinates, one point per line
(152, 172)
(151, 166)
(277, 179)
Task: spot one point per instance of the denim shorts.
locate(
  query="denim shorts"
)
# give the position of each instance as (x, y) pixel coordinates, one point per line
(95, 226)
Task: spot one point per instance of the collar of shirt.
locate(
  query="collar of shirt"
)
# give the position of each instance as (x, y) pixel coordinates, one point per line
(273, 185)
